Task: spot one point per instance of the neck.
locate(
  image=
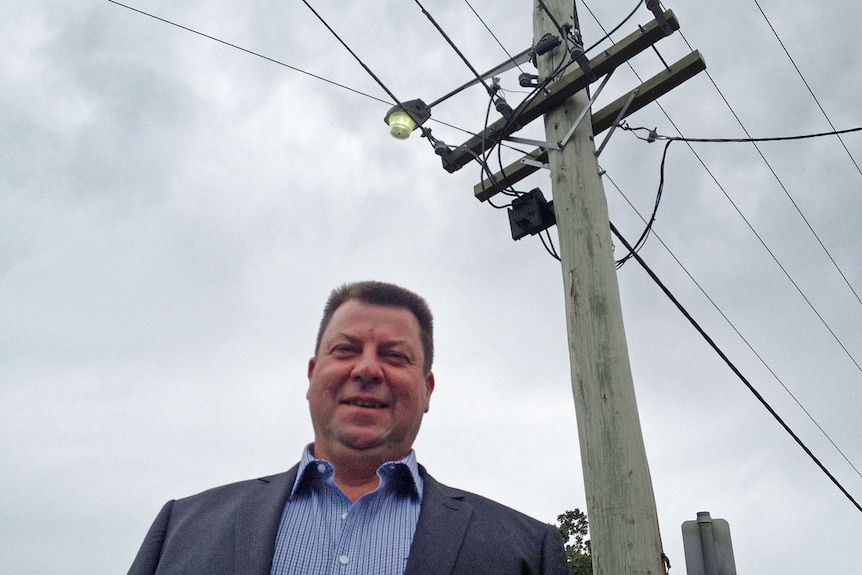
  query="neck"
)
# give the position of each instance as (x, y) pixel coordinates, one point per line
(356, 472)
(356, 488)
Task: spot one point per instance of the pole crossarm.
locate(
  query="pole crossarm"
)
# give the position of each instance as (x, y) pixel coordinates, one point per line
(657, 86)
(565, 87)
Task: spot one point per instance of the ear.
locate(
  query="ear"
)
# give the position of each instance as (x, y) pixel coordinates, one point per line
(429, 388)
(311, 364)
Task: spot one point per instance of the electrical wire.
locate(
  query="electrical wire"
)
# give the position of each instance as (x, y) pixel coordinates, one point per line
(657, 136)
(452, 44)
(425, 131)
(808, 87)
(247, 51)
(736, 330)
(649, 224)
(491, 32)
(748, 223)
(715, 180)
(498, 143)
(732, 366)
(781, 184)
(616, 28)
(793, 282)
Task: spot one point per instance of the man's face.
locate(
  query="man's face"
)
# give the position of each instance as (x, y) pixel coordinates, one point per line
(367, 388)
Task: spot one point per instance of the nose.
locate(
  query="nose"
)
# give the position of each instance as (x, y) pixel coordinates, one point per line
(368, 369)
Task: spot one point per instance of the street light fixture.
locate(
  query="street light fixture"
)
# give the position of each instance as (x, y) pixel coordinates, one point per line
(406, 117)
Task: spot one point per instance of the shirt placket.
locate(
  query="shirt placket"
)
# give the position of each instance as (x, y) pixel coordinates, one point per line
(347, 536)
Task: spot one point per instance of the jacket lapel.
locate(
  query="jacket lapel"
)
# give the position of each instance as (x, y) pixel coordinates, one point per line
(257, 520)
(440, 530)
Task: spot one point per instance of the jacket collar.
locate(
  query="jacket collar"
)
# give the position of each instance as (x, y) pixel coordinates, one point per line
(440, 530)
(257, 521)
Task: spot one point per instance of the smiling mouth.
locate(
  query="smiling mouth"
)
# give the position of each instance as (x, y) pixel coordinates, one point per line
(365, 403)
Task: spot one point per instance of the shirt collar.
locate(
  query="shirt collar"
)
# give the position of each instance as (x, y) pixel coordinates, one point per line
(405, 470)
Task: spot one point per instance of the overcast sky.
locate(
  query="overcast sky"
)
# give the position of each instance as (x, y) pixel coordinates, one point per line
(174, 212)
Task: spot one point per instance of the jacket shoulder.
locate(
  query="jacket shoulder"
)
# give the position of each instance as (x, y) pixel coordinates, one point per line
(215, 530)
(460, 532)
(236, 491)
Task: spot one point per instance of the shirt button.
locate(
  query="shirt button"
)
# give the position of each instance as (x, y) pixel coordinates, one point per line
(344, 560)
(344, 516)
(321, 468)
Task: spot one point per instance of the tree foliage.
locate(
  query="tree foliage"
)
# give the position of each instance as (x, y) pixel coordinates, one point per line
(574, 527)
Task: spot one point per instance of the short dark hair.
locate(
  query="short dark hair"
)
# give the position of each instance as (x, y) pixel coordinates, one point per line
(388, 295)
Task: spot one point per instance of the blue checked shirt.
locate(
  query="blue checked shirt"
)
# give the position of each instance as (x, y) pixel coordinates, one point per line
(322, 532)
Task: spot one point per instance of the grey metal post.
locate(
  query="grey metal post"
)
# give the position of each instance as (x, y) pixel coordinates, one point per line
(707, 543)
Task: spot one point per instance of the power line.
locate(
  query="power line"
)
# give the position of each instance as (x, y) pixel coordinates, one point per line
(732, 366)
(797, 137)
(671, 139)
(247, 51)
(736, 330)
(454, 47)
(648, 224)
(608, 34)
(808, 87)
(781, 183)
(491, 32)
(290, 67)
(754, 141)
(359, 60)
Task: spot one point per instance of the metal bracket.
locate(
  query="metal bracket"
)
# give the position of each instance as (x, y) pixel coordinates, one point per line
(620, 116)
(585, 111)
(534, 163)
(529, 142)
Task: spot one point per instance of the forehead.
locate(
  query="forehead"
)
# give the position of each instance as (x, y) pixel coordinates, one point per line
(358, 319)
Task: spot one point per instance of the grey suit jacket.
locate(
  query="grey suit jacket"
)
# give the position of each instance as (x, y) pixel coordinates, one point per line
(232, 530)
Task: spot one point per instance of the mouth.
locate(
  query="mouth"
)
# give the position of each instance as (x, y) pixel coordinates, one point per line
(366, 403)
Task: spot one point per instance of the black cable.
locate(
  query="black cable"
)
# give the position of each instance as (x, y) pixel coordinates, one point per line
(511, 58)
(736, 330)
(781, 184)
(731, 365)
(247, 51)
(670, 139)
(705, 167)
(549, 246)
(454, 47)
(425, 131)
(653, 136)
(553, 20)
(352, 53)
(607, 35)
(656, 136)
(649, 224)
(807, 86)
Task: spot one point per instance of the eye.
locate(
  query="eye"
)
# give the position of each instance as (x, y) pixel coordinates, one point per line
(343, 349)
(397, 357)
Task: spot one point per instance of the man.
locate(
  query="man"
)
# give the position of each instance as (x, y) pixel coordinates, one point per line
(357, 503)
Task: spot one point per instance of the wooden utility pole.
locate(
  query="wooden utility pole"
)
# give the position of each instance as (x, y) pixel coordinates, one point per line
(620, 502)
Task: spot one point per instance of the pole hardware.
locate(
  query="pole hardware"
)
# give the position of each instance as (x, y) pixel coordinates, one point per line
(619, 119)
(570, 84)
(585, 111)
(526, 80)
(529, 142)
(577, 52)
(654, 6)
(530, 214)
(602, 120)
